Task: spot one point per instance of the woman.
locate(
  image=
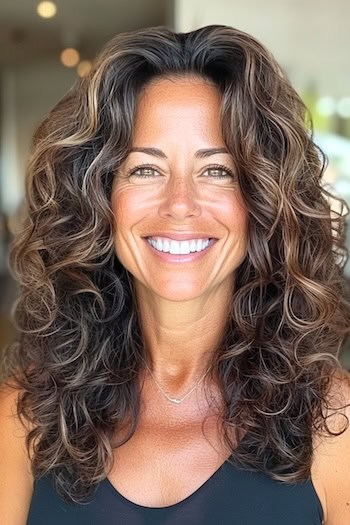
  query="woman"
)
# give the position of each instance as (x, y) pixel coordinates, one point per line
(182, 299)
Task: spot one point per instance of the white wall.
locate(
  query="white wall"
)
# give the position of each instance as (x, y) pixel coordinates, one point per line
(310, 38)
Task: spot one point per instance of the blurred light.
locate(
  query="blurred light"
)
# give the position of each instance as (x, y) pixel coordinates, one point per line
(70, 57)
(326, 106)
(46, 9)
(343, 107)
(84, 67)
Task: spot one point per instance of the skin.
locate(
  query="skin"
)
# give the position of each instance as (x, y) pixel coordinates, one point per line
(183, 307)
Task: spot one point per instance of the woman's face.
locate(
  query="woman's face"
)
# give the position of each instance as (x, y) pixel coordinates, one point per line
(179, 193)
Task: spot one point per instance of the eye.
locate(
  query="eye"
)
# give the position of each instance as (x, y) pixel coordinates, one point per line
(219, 171)
(144, 171)
(219, 168)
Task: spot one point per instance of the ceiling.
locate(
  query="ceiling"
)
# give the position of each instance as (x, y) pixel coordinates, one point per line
(85, 24)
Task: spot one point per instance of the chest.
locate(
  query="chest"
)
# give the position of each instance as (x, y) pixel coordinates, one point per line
(172, 454)
(167, 459)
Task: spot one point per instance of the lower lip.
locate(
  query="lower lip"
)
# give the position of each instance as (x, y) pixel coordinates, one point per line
(178, 258)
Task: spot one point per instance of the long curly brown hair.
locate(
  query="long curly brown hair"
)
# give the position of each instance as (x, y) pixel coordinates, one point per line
(79, 349)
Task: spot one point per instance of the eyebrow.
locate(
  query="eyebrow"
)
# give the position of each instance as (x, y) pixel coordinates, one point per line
(200, 154)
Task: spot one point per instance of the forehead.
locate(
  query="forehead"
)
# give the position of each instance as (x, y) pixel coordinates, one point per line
(185, 91)
(189, 104)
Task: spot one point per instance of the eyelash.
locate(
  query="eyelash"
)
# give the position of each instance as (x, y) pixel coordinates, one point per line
(212, 167)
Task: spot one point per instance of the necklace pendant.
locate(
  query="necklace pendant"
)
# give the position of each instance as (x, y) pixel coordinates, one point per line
(174, 400)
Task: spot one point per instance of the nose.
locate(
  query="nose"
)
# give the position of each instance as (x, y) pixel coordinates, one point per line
(180, 200)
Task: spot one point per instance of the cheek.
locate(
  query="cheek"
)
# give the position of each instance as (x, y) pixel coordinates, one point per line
(128, 212)
(122, 221)
(234, 216)
(126, 208)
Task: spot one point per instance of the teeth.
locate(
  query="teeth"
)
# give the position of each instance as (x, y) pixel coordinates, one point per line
(179, 247)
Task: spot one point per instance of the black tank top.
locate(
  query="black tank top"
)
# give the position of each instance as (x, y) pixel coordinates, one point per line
(231, 496)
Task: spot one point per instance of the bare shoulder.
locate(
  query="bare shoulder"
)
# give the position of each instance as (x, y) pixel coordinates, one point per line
(16, 481)
(330, 469)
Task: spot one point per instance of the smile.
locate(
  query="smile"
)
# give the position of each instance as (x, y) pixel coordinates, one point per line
(172, 251)
(178, 247)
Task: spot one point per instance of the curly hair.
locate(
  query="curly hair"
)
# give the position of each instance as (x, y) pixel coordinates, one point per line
(79, 349)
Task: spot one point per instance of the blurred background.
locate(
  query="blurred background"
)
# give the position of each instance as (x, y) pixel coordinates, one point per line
(45, 45)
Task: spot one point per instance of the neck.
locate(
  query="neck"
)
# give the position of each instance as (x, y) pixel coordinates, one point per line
(181, 337)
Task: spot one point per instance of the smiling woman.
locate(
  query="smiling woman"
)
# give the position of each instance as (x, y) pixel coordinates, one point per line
(182, 300)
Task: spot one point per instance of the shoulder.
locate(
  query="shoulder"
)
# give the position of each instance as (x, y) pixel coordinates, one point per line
(330, 469)
(15, 466)
(12, 427)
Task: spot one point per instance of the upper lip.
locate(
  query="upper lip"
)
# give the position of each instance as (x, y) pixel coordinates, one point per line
(181, 236)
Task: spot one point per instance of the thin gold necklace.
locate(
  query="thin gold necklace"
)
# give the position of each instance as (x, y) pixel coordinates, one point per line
(176, 400)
